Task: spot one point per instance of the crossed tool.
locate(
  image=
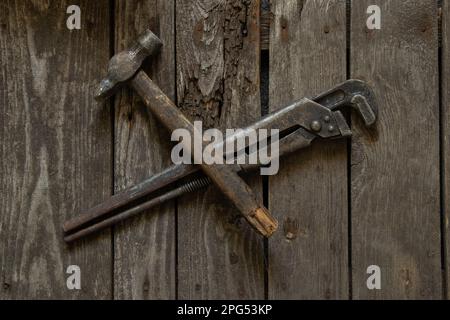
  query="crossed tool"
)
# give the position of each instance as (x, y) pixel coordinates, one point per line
(299, 124)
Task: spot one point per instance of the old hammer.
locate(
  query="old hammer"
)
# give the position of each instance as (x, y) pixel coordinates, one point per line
(125, 67)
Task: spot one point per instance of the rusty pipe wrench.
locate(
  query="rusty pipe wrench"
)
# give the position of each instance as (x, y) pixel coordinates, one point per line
(126, 67)
(300, 124)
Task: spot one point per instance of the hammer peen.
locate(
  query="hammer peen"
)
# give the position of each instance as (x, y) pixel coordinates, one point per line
(125, 68)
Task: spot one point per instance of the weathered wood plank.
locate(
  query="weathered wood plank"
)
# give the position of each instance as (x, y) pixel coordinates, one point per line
(145, 246)
(445, 16)
(266, 20)
(395, 169)
(220, 257)
(55, 148)
(308, 256)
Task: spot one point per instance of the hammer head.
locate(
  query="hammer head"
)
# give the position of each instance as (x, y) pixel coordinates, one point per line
(124, 65)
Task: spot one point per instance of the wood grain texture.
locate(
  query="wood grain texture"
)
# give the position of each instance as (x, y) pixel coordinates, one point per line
(144, 265)
(308, 256)
(395, 168)
(55, 148)
(219, 256)
(445, 15)
(265, 22)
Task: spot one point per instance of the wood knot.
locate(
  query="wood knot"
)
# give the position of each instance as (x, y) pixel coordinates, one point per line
(284, 29)
(130, 116)
(290, 229)
(198, 32)
(146, 287)
(405, 274)
(234, 258)
(283, 23)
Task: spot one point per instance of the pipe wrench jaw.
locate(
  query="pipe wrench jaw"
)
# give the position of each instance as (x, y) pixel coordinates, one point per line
(355, 94)
(336, 126)
(365, 110)
(342, 125)
(323, 122)
(321, 117)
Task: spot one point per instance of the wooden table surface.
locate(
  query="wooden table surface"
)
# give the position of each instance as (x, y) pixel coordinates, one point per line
(377, 199)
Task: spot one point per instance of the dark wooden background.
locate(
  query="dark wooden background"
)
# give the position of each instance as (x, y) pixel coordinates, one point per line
(379, 199)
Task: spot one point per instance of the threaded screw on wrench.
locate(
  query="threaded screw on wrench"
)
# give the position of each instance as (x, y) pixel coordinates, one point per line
(196, 185)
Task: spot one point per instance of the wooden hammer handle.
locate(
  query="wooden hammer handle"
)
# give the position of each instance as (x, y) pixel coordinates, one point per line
(222, 176)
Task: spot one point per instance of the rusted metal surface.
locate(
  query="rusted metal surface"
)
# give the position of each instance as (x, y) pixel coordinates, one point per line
(191, 186)
(124, 65)
(302, 122)
(130, 195)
